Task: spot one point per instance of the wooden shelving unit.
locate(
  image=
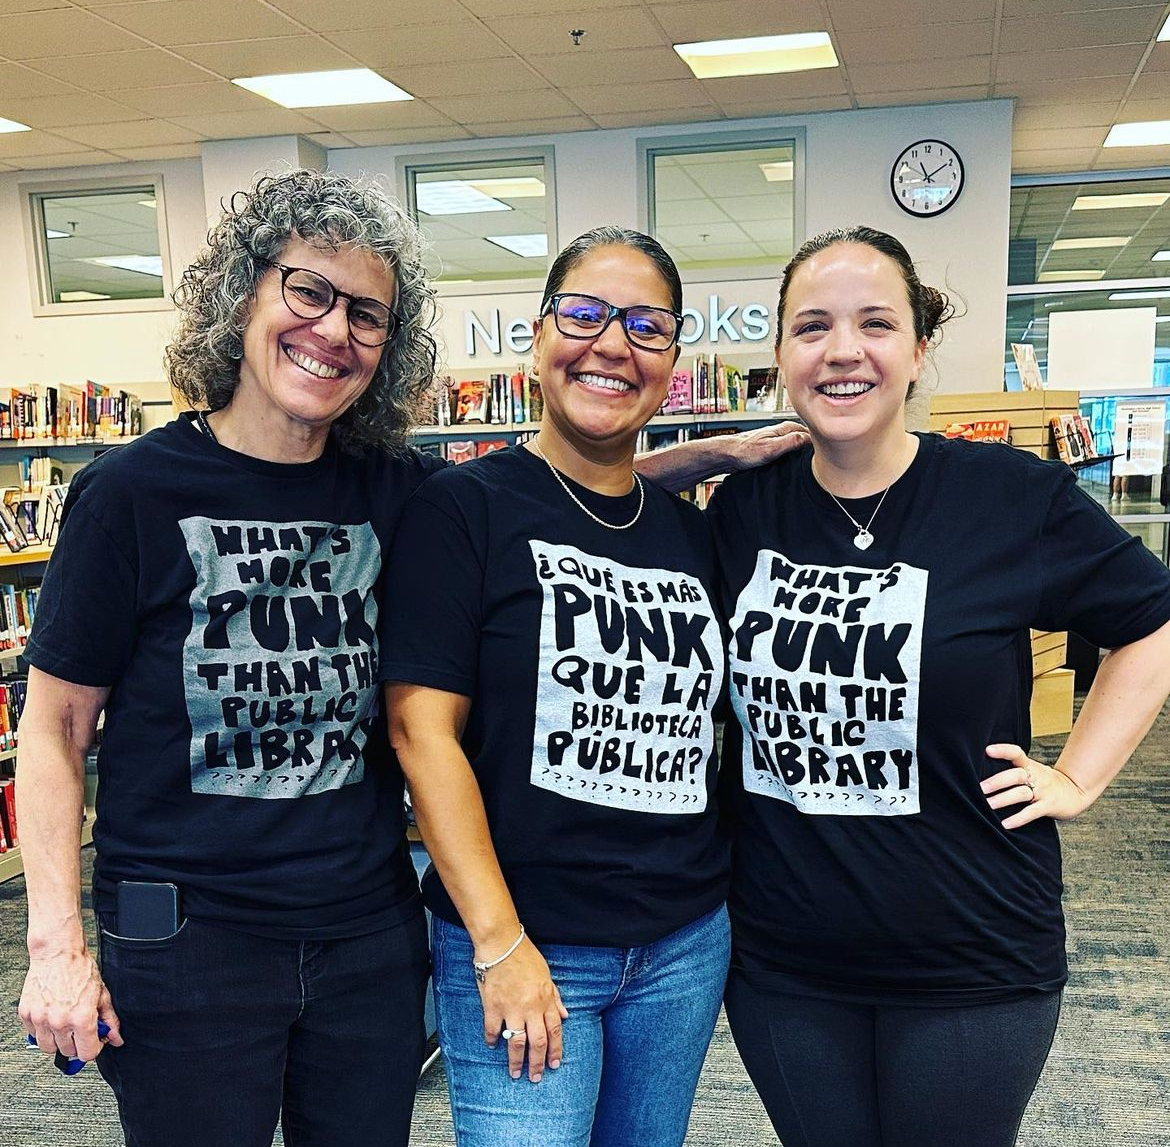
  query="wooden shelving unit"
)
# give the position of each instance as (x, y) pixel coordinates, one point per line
(11, 864)
(735, 417)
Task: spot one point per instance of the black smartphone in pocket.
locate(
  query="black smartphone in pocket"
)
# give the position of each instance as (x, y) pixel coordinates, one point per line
(146, 910)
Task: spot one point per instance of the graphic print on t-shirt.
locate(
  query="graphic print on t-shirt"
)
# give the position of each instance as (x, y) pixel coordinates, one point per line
(281, 665)
(823, 667)
(631, 662)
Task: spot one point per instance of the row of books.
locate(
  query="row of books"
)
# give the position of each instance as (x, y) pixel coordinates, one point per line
(496, 400)
(711, 386)
(68, 413)
(17, 608)
(13, 690)
(981, 430)
(460, 451)
(31, 517)
(1073, 436)
(8, 835)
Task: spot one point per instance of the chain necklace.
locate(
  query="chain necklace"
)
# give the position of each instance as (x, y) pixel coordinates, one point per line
(205, 426)
(581, 505)
(864, 538)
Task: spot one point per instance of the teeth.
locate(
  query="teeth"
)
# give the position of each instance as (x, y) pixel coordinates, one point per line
(312, 365)
(845, 389)
(603, 382)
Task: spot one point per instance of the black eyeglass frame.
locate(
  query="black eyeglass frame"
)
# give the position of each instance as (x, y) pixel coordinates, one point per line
(337, 293)
(613, 313)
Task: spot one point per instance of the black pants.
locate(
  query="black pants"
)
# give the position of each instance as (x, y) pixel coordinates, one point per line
(835, 1074)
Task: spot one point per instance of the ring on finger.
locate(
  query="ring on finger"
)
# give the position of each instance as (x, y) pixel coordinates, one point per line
(1029, 783)
(510, 1034)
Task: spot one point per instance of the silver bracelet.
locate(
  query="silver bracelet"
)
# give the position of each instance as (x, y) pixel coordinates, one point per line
(481, 966)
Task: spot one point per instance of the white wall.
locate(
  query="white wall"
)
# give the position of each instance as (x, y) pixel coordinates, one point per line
(848, 159)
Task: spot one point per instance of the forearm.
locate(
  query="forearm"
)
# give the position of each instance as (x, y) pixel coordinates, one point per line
(679, 467)
(1131, 686)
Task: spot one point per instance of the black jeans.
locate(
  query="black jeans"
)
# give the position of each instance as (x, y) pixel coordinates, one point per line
(834, 1074)
(227, 1032)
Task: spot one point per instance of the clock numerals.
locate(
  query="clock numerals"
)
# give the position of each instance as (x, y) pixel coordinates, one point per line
(927, 178)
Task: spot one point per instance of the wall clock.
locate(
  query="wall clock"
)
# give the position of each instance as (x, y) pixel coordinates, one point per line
(927, 178)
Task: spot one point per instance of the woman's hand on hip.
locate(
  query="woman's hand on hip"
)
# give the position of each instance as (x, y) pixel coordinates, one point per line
(1043, 791)
(522, 1005)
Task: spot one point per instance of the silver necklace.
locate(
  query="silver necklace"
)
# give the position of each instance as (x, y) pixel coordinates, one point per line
(864, 538)
(205, 426)
(581, 505)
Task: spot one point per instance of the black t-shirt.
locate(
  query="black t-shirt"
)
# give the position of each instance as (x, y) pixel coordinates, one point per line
(592, 657)
(232, 605)
(867, 863)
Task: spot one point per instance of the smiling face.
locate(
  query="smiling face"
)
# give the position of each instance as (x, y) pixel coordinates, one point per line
(299, 375)
(848, 353)
(599, 392)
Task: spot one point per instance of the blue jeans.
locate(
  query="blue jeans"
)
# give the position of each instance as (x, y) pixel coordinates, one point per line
(640, 1020)
(227, 1032)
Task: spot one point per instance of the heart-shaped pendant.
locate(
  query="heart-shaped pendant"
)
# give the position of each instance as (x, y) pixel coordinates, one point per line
(863, 540)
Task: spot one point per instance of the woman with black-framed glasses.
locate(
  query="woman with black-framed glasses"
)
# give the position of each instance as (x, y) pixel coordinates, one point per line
(552, 669)
(216, 592)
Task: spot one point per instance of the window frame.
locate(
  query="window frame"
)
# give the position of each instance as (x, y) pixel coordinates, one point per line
(406, 166)
(649, 147)
(32, 197)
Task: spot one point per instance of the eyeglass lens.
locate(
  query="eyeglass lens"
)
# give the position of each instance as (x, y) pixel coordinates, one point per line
(310, 296)
(583, 316)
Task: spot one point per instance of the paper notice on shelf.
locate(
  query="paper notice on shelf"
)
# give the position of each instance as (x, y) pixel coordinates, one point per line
(1026, 364)
(1139, 438)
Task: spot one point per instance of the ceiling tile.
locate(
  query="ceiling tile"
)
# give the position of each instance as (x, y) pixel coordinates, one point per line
(505, 105)
(1152, 86)
(552, 126)
(192, 99)
(10, 7)
(411, 135)
(267, 57)
(1070, 64)
(1064, 138)
(383, 48)
(243, 125)
(729, 19)
(64, 160)
(61, 32)
(1035, 117)
(118, 71)
(663, 94)
(359, 14)
(651, 118)
(1082, 30)
(547, 35)
(66, 110)
(140, 133)
(1062, 90)
(1141, 110)
(1158, 59)
(1134, 157)
(489, 8)
(24, 83)
(33, 143)
(169, 151)
(1013, 8)
(467, 78)
(200, 21)
(911, 77)
(786, 85)
(330, 139)
(754, 109)
(918, 42)
(380, 117)
(577, 69)
(851, 15)
(925, 96)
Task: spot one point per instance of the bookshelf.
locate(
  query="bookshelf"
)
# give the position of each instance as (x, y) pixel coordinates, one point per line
(12, 866)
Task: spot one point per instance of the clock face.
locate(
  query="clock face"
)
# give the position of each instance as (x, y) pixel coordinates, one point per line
(927, 177)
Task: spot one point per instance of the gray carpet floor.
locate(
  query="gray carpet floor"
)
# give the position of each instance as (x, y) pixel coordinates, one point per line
(1107, 1083)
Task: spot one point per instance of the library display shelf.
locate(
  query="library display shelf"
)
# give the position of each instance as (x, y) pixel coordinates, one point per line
(11, 864)
(469, 429)
(66, 443)
(23, 557)
(11, 655)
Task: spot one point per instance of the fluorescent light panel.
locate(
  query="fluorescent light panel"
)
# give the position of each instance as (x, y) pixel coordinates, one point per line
(1125, 199)
(12, 125)
(758, 55)
(454, 197)
(324, 89)
(1164, 34)
(1088, 244)
(81, 296)
(141, 264)
(530, 246)
(1149, 133)
(51, 234)
(1160, 257)
(1068, 276)
(779, 172)
(521, 187)
(1122, 295)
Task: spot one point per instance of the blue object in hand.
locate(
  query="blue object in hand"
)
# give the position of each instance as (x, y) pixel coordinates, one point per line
(65, 1064)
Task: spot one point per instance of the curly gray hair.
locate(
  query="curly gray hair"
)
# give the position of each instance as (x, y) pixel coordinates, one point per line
(329, 210)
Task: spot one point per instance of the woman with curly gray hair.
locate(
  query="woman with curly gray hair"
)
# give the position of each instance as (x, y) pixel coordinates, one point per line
(216, 593)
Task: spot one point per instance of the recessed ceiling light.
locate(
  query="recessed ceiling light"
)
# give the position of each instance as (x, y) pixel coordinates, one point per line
(1121, 295)
(324, 89)
(80, 296)
(453, 197)
(780, 172)
(1146, 134)
(1068, 276)
(530, 246)
(142, 264)
(758, 55)
(1085, 244)
(522, 187)
(12, 125)
(1127, 199)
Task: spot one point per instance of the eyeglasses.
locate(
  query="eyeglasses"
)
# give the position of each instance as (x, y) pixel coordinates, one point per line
(312, 296)
(586, 316)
